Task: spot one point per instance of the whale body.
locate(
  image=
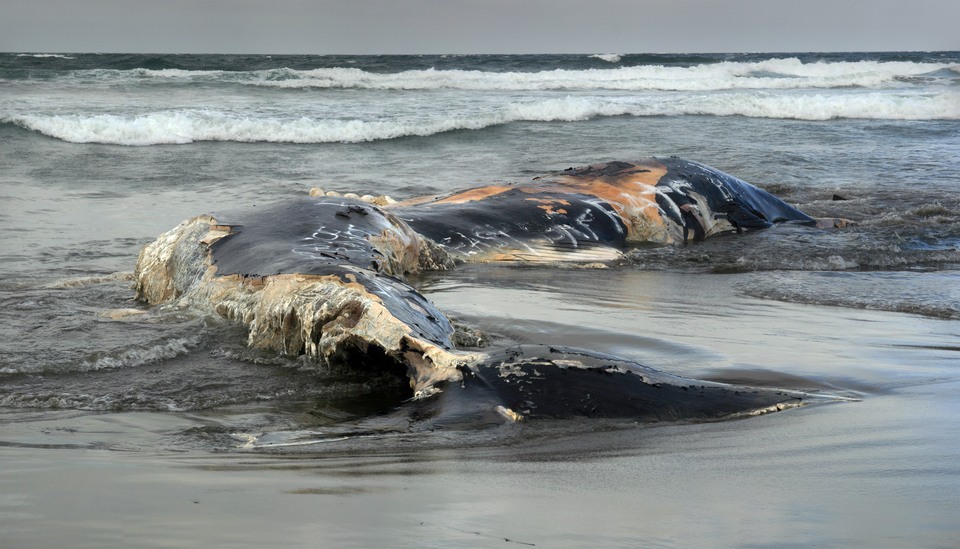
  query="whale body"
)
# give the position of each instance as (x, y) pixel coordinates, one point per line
(324, 277)
(611, 206)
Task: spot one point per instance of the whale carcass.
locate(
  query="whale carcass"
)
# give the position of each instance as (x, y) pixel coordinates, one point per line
(324, 277)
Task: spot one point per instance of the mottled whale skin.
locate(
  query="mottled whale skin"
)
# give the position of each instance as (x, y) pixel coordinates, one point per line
(324, 277)
(592, 212)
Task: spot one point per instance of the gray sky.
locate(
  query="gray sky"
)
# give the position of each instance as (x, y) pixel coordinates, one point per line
(477, 26)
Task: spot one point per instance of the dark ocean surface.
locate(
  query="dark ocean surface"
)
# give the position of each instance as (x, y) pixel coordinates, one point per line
(173, 433)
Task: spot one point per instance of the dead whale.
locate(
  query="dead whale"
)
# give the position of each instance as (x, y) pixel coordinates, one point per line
(324, 277)
(593, 212)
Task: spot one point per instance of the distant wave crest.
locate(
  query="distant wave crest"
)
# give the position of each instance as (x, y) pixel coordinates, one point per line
(608, 57)
(45, 55)
(771, 74)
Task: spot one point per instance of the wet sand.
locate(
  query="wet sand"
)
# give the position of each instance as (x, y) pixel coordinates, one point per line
(873, 474)
(878, 470)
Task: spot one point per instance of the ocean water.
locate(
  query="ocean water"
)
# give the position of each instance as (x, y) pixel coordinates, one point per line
(100, 153)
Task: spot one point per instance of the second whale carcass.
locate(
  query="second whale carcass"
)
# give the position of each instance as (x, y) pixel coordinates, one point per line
(325, 277)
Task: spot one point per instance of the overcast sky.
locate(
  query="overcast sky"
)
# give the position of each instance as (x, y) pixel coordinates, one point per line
(477, 26)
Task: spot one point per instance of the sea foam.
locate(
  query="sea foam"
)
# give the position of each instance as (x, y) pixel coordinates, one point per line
(772, 74)
(138, 356)
(187, 126)
(45, 55)
(608, 57)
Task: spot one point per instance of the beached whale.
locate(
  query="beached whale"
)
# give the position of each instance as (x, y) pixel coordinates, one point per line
(600, 209)
(324, 277)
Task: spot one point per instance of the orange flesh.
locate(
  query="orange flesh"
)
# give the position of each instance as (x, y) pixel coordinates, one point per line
(630, 191)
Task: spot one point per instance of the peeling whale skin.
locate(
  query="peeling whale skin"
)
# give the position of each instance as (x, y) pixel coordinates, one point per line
(592, 212)
(324, 277)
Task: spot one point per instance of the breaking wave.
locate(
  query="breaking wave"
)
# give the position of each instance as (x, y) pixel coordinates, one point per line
(187, 126)
(721, 76)
(608, 57)
(45, 55)
(771, 74)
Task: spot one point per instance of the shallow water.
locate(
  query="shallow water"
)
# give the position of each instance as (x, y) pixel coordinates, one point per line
(167, 431)
(869, 474)
(875, 470)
